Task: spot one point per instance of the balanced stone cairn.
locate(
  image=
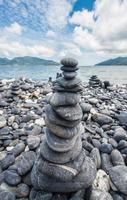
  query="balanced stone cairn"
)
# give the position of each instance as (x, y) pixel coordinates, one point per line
(61, 164)
(15, 89)
(94, 81)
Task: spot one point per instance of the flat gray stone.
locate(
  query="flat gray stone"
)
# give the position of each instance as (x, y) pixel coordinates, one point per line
(83, 180)
(12, 178)
(118, 175)
(59, 144)
(68, 83)
(58, 157)
(70, 113)
(69, 75)
(69, 62)
(58, 88)
(64, 99)
(55, 119)
(64, 132)
(61, 172)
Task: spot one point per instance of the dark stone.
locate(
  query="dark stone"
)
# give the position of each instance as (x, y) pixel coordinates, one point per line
(61, 172)
(106, 148)
(120, 134)
(22, 190)
(69, 69)
(25, 162)
(86, 107)
(69, 75)
(102, 119)
(64, 99)
(68, 83)
(70, 113)
(11, 177)
(5, 195)
(7, 161)
(122, 144)
(118, 175)
(86, 145)
(106, 164)
(117, 158)
(18, 149)
(64, 132)
(58, 88)
(69, 62)
(60, 157)
(58, 144)
(83, 180)
(95, 156)
(40, 195)
(33, 142)
(55, 119)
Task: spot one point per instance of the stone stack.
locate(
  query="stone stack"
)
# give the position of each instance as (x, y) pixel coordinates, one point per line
(15, 89)
(94, 81)
(2, 86)
(61, 164)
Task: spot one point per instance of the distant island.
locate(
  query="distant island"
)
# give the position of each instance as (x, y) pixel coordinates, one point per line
(115, 61)
(26, 60)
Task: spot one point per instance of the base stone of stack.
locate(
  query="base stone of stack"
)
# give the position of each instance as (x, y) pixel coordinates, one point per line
(83, 180)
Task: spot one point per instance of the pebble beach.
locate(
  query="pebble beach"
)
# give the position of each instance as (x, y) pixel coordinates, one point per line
(104, 139)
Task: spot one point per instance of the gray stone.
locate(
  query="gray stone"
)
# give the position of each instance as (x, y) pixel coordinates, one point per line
(120, 134)
(8, 160)
(69, 69)
(102, 119)
(106, 148)
(64, 132)
(95, 156)
(99, 195)
(118, 175)
(55, 119)
(117, 158)
(83, 180)
(86, 107)
(64, 99)
(59, 88)
(122, 117)
(68, 83)
(60, 157)
(18, 149)
(22, 190)
(69, 75)
(69, 62)
(58, 144)
(5, 195)
(2, 121)
(106, 164)
(25, 162)
(70, 113)
(11, 177)
(61, 172)
(33, 142)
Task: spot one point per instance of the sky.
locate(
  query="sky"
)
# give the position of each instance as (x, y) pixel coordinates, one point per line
(88, 30)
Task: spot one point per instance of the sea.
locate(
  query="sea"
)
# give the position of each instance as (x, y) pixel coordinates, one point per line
(113, 74)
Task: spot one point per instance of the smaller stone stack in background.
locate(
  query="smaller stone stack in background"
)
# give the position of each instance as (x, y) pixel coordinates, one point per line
(62, 165)
(2, 86)
(94, 81)
(15, 89)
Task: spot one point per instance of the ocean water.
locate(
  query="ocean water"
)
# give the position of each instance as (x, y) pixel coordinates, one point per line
(114, 74)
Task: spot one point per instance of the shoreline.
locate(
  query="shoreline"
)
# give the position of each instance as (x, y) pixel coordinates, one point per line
(22, 125)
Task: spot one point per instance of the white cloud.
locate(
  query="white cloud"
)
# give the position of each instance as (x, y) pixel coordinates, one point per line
(57, 13)
(103, 30)
(83, 18)
(14, 28)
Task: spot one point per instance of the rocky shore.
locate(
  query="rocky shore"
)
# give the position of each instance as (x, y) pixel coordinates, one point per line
(22, 127)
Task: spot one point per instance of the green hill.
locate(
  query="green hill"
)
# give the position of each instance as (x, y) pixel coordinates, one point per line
(115, 61)
(26, 60)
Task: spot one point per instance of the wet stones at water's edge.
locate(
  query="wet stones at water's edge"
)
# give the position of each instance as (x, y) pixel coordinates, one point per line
(103, 131)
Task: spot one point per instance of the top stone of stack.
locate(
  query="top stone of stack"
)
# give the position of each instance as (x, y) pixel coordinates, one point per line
(69, 62)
